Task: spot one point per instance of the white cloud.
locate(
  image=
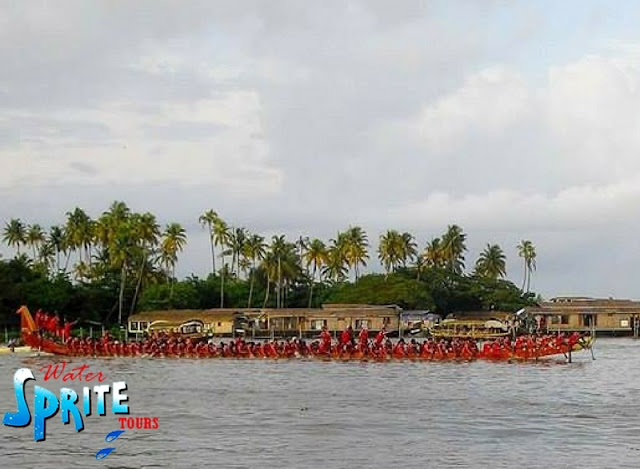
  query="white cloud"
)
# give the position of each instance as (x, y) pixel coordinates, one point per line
(489, 103)
(234, 156)
(575, 208)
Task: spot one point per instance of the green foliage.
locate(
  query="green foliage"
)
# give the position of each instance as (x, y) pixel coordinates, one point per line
(106, 268)
(379, 289)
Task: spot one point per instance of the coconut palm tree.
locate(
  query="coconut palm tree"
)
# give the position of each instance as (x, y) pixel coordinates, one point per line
(209, 219)
(492, 262)
(255, 249)
(119, 250)
(146, 232)
(434, 254)
(408, 248)
(237, 241)
(173, 242)
(278, 249)
(57, 241)
(527, 251)
(317, 256)
(79, 231)
(46, 256)
(14, 234)
(336, 266)
(454, 247)
(356, 247)
(302, 245)
(35, 238)
(390, 250)
(221, 238)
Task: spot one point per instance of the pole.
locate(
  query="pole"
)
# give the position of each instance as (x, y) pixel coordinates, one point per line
(6, 335)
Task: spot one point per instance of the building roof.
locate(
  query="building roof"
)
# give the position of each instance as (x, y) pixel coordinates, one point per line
(216, 314)
(584, 305)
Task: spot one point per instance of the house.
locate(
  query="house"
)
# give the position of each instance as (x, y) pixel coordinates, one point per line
(607, 316)
(268, 322)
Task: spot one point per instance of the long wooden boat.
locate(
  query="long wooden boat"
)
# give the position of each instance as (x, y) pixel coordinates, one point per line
(32, 338)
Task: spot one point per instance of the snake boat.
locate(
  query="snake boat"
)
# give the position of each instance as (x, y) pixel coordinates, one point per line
(32, 337)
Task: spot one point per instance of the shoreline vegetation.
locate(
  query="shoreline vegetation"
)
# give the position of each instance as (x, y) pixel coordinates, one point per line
(107, 268)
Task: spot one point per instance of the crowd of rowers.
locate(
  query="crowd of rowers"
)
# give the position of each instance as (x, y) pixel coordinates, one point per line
(379, 346)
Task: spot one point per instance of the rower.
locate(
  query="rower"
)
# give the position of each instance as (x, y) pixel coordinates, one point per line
(380, 336)
(363, 339)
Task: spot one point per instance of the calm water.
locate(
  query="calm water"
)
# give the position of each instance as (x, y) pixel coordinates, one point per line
(306, 414)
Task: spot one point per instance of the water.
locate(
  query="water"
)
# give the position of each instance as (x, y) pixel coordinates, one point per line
(308, 414)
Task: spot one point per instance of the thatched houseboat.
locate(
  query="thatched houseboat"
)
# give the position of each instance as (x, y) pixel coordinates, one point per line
(302, 322)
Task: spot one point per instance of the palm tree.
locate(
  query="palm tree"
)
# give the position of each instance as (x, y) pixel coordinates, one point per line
(434, 253)
(79, 230)
(390, 250)
(35, 237)
(14, 234)
(236, 243)
(527, 251)
(46, 256)
(336, 267)
(146, 232)
(317, 255)
(408, 248)
(209, 219)
(254, 249)
(173, 242)
(57, 241)
(492, 262)
(119, 248)
(302, 244)
(114, 231)
(454, 247)
(278, 249)
(356, 245)
(221, 238)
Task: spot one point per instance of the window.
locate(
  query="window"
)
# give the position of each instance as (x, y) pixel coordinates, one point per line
(143, 326)
(624, 323)
(386, 320)
(133, 326)
(361, 323)
(318, 324)
(564, 319)
(219, 324)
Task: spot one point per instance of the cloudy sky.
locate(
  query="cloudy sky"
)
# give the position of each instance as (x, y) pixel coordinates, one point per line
(513, 119)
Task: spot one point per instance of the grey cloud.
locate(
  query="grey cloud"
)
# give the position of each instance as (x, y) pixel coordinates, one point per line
(183, 131)
(84, 168)
(338, 85)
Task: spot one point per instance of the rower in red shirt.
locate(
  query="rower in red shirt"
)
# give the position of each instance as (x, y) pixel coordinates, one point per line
(325, 342)
(346, 338)
(363, 339)
(399, 349)
(380, 336)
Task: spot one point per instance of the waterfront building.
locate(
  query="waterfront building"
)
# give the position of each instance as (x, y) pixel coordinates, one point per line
(267, 322)
(603, 316)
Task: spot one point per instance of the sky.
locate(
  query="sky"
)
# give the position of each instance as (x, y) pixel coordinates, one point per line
(515, 120)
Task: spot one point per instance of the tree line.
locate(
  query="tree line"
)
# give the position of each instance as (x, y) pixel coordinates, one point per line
(126, 262)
